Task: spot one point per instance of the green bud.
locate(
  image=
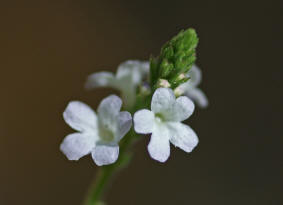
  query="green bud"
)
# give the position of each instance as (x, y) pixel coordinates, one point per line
(163, 83)
(167, 67)
(176, 57)
(181, 76)
(178, 91)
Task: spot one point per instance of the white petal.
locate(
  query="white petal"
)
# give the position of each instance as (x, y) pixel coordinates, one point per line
(144, 67)
(105, 154)
(144, 121)
(80, 116)
(77, 145)
(125, 123)
(129, 75)
(182, 136)
(101, 79)
(109, 109)
(184, 87)
(159, 146)
(198, 96)
(183, 109)
(133, 70)
(163, 100)
(195, 76)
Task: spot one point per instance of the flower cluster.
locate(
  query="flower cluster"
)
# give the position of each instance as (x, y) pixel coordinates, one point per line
(158, 94)
(99, 134)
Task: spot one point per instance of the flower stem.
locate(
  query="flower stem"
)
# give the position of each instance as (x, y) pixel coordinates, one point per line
(105, 173)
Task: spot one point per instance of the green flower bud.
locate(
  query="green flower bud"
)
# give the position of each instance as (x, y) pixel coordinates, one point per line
(176, 58)
(163, 83)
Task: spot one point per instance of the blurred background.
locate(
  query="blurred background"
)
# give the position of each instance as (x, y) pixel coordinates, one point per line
(49, 47)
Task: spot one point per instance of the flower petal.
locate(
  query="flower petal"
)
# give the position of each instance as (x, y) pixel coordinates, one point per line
(101, 79)
(182, 136)
(195, 76)
(105, 154)
(183, 109)
(77, 145)
(159, 147)
(108, 111)
(198, 96)
(144, 121)
(125, 123)
(144, 67)
(80, 116)
(163, 100)
(133, 71)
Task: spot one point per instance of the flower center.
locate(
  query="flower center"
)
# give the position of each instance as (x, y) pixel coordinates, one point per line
(106, 133)
(159, 118)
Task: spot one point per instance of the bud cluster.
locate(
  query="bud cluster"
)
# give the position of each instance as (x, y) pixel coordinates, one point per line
(176, 58)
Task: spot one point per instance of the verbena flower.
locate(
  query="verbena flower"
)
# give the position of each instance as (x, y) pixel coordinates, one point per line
(98, 134)
(190, 88)
(164, 122)
(129, 75)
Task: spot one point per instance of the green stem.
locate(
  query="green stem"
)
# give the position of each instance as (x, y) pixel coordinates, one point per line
(105, 173)
(96, 187)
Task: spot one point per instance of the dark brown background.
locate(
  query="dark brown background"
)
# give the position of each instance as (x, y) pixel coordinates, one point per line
(47, 50)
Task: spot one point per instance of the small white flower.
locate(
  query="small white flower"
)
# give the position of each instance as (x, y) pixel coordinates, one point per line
(129, 75)
(98, 134)
(190, 88)
(164, 122)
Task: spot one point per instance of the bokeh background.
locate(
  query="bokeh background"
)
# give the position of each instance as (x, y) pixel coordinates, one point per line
(48, 48)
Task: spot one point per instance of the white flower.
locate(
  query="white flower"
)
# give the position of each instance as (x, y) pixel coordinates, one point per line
(98, 134)
(129, 75)
(190, 88)
(164, 122)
